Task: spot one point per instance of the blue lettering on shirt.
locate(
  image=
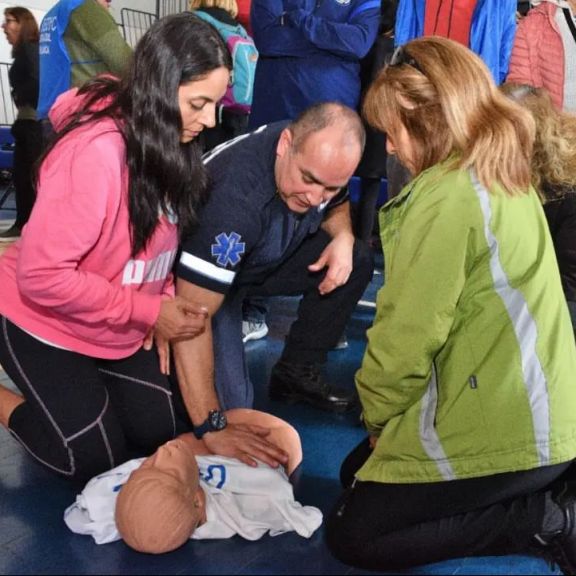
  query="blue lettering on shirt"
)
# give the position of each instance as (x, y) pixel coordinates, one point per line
(215, 475)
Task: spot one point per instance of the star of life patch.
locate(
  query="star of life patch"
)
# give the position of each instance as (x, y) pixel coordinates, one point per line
(228, 249)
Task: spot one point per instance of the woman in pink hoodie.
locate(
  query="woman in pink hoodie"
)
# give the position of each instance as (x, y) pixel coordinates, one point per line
(88, 287)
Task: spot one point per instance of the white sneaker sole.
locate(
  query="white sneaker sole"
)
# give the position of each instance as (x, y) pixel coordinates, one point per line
(256, 335)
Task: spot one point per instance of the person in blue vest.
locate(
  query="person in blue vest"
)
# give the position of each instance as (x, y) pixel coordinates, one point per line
(79, 39)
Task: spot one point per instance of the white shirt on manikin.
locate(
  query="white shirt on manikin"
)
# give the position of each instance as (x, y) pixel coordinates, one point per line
(239, 500)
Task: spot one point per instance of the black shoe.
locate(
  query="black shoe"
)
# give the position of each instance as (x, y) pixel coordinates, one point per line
(292, 382)
(342, 343)
(560, 546)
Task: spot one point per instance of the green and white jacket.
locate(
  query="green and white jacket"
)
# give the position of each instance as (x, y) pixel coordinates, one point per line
(470, 368)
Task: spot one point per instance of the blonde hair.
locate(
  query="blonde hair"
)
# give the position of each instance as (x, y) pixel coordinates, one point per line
(554, 155)
(444, 96)
(229, 5)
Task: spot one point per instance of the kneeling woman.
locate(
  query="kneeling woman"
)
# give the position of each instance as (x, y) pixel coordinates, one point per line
(467, 384)
(89, 285)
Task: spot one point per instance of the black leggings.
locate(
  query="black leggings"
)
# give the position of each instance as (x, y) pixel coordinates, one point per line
(379, 526)
(83, 415)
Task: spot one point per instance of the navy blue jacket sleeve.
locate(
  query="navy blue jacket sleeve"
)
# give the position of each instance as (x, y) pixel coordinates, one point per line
(271, 36)
(352, 39)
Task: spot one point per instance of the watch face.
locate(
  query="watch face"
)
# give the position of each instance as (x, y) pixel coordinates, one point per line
(217, 420)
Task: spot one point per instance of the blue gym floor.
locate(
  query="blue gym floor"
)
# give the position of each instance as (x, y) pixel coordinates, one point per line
(35, 540)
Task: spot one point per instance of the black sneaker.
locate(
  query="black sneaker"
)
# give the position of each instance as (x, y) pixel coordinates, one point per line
(13, 233)
(292, 383)
(342, 343)
(560, 546)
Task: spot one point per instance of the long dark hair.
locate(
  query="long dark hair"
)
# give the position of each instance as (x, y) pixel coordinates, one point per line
(28, 25)
(164, 174)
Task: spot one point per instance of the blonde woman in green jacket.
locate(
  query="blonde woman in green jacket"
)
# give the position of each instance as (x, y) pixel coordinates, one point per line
(468, 381)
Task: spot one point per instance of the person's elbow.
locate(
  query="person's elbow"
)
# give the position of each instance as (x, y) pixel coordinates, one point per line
(39, 284)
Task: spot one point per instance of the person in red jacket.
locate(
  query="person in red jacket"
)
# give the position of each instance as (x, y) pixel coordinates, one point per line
(244, 14)
(544, 51)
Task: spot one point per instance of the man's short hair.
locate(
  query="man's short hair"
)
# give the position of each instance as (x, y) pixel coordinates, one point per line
(324, 115)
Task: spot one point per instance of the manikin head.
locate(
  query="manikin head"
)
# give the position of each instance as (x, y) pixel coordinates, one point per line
(162, 503)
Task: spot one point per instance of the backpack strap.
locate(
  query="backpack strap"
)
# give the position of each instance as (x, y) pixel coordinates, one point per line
(570, 21)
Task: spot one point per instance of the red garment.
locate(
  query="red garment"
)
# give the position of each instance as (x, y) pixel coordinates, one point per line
(538, 53)
(449, 19)
(244, 14)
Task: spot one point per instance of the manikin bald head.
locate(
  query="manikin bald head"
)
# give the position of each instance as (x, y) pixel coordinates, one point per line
(162, 503)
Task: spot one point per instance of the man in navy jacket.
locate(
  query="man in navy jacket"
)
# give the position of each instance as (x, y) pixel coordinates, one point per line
(310, 52)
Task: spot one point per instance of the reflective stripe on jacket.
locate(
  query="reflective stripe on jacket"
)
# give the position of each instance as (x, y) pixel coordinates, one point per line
(471, 361)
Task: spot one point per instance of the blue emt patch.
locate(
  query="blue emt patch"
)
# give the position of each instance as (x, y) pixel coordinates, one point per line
(228, 248)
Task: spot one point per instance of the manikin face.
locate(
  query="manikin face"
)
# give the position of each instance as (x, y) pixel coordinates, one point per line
(315, 172)
(175, 459)
(11, 28)
(197, 101)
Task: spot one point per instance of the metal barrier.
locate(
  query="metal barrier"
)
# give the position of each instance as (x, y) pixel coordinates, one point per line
(7, 108)
(134, 24)
(7, 117)
(165, 7)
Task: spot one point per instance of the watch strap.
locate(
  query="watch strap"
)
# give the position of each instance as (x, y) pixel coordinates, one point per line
(199, 431)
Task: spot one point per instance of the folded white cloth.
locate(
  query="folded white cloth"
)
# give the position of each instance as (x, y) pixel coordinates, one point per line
(250, 501)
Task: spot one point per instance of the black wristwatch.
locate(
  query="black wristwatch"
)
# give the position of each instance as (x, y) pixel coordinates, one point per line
(216, 421)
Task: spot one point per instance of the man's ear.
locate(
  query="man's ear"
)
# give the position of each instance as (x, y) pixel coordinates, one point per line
(284, 143)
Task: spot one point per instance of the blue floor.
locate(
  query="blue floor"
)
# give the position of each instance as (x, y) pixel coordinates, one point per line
(34, 539)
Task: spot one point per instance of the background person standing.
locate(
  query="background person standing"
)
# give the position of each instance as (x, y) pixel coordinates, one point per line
(79, 39)
(21, 31)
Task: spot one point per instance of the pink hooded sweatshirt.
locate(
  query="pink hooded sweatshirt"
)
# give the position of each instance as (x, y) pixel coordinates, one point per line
(70, 279)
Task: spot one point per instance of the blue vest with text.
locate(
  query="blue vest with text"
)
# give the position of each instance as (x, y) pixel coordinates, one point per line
(55, 65)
